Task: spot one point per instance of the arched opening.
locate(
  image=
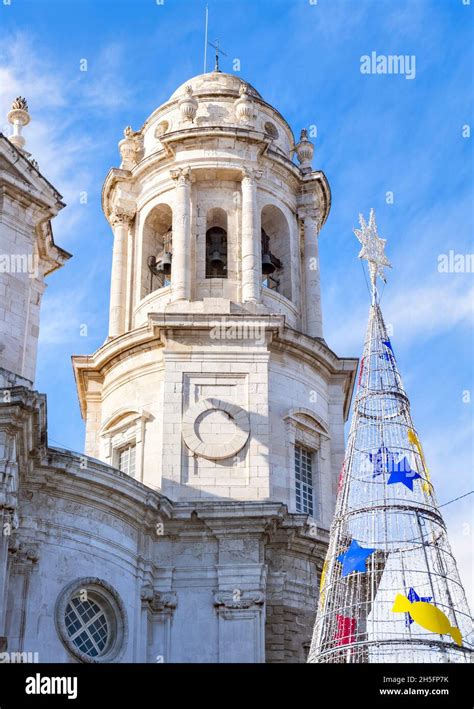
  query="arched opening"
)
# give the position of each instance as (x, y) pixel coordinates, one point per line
(276, 254)
(157, 249)
(216, 243)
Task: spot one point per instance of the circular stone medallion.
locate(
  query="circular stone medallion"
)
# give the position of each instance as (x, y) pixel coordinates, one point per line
(215, 429)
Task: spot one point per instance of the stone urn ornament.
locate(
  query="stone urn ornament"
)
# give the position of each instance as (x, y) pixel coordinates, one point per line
(129, 148)
(18, 117)
(188, 105)
(244, 105)
(304, 150)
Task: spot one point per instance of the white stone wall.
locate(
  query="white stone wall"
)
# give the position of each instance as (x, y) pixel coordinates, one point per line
(21, 288)
(193, 580)
(27, 253)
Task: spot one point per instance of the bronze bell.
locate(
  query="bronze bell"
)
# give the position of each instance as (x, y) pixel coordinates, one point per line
(165, 263)
(268, 267)
(216, 259)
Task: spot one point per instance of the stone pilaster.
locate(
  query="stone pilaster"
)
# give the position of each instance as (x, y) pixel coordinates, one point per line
(158, 608)
(8, 512)
(311, 273)
(120, 220)
(24, 561)
(251, 240)
(180, 268)
(241, 625)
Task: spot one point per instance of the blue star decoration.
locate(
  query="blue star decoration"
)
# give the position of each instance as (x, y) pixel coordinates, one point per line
(413, 597)
(382, 460)
(401, 472)
(388, 354)
(354, 558)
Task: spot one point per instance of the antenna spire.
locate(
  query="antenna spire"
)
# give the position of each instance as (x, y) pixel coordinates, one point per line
(205, 39)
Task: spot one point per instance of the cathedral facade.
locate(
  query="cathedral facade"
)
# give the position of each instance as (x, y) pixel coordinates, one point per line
(195, 525)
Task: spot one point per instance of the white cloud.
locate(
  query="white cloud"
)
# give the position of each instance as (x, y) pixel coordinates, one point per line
(418, 312)
(56, 137)
(54, 141)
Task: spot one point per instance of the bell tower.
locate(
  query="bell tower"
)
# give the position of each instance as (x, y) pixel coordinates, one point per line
(215, 381)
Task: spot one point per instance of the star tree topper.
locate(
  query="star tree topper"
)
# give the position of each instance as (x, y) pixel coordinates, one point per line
(372, 248)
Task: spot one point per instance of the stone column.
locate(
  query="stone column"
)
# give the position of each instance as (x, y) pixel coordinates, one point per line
(180, 267)
(251, 238)
(312, 285)
(120, 220)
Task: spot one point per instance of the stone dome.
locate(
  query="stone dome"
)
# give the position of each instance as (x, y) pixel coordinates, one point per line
(215, 82)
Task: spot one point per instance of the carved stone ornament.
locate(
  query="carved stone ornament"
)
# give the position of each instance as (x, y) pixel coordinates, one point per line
(181, 174)
(20, 103)
(18, 117)
(188, 105)
(130, 148)
(244, 106)
(158, 601)
(311, 214)
(304, 149)
(238, 601)
(251, 173)
(121, 215)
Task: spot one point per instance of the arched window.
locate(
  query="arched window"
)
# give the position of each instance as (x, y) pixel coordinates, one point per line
(271, 264)
(216, 244)
(276, 255)
(157, 249)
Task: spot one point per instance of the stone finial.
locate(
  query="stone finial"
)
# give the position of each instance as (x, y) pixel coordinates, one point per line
(18, 117)
(244, 105)
(130, 147)
(304, 150)
(20, 103)
(188, 105)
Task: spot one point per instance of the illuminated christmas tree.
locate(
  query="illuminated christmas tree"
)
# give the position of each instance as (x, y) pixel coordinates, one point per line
(390, 589)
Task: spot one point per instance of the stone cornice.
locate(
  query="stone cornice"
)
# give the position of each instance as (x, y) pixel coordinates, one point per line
(32, 180)
(314, 352)
(203, 133)
(115, 177)
(21, 182)
(67, 475)
(307, 189)
(315, 193)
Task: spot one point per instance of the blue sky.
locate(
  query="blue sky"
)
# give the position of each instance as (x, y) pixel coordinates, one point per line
(376, 133)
